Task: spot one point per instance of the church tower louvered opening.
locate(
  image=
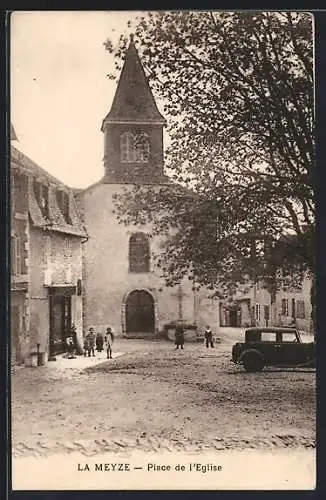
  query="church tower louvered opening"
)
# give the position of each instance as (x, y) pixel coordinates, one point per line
(133, 129)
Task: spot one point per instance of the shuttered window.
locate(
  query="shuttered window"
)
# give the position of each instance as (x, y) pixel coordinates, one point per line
(134, 148)
(301, 313)
(139, 253)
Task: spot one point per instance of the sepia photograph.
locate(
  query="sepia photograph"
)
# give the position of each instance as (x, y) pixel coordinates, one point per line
(163, 311)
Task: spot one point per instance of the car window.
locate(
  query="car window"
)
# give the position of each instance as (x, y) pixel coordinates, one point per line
(252, 336)
(289, 337)
(268, 337)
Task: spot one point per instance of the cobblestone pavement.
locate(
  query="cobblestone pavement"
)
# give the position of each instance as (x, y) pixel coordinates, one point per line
(154, 398)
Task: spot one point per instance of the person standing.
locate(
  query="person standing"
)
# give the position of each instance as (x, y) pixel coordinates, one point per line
(179, 336)
(90, 337)
(109, 339)
(99, 342)
(208, 334)
(70, 347)
(77, 347)
(86, 348)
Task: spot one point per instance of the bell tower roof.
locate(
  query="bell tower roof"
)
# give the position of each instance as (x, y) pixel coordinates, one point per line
(133, 101)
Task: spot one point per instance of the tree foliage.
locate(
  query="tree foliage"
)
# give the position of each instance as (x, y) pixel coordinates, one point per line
(237, 91)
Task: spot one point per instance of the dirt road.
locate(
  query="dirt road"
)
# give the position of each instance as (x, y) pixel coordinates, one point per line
(155, 398)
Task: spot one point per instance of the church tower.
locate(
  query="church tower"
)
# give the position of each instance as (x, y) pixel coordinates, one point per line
(122, 286)
(133, 129)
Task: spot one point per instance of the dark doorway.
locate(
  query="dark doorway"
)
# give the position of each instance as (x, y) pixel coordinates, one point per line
(234, 317)
(293, 310)
(140, 312)
(60, 323)
(266, 314)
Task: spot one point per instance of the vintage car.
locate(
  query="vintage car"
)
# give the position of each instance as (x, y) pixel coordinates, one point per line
(273, 346)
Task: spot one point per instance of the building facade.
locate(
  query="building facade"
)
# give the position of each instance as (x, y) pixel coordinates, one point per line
(123, 288)
(19, 264)
(293, 305)
(46, 262)
(260, 305)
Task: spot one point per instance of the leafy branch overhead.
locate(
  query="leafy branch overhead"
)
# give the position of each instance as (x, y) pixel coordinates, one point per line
(237, 92)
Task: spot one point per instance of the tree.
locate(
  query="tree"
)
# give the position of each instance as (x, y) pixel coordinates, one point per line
(238, 95)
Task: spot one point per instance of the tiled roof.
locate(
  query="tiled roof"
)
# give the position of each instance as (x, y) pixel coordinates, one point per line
(56, 221)
(23, 161)
(133, 100)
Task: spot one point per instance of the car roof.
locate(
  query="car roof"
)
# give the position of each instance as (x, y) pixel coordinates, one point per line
(276, 329)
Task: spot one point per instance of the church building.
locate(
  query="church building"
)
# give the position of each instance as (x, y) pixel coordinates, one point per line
(122, 288)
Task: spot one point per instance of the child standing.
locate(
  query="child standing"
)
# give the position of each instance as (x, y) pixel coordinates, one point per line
(109, 339)
(208, 334)
(86, 348)
(90, 337)
(99, 342)
(70, 347)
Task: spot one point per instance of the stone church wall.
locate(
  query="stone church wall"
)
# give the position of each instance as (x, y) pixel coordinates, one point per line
(106, 276)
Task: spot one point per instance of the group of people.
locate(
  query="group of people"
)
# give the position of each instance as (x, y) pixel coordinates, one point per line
(102, 342)
(99, 341)
(180, 338)
(92, 341)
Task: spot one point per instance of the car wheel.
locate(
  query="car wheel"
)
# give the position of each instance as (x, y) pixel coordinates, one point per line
(253, 362)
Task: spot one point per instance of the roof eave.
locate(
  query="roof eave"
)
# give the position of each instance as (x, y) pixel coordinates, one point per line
(132, 121)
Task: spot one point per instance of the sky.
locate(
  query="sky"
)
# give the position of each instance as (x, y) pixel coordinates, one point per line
(59, 89)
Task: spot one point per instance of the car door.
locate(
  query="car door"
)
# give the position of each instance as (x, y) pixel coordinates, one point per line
(292, 352)
(271, 347)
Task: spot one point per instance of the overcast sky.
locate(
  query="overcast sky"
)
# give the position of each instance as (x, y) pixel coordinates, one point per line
(59, 89)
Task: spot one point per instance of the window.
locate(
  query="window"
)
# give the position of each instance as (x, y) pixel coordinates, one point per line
(252, 315)
(139, 253)
(63, 203)
(68, 259)
(67, 248)
(301, 309)
(16, 255)
(42, 197)
(134, 148)
(19, 188)
(288, 337)
(285, 307)
(268, 337)
(18, 248)
(257, 312)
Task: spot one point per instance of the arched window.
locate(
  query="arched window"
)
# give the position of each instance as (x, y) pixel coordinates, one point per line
(139, 253)
(134, 148)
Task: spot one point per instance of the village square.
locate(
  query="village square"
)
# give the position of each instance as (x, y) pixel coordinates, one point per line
(122, 342)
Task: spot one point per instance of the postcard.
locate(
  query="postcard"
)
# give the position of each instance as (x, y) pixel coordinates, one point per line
(162, 250)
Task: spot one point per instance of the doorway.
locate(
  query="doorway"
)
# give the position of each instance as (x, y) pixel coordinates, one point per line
(60, 323)
(234, 317)
(140, 315)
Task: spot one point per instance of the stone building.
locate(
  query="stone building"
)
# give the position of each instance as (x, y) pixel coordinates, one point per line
(19, 262)
(293, 305)
(270, 297)
(258, 305)
(122, 287)
(46, 261)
